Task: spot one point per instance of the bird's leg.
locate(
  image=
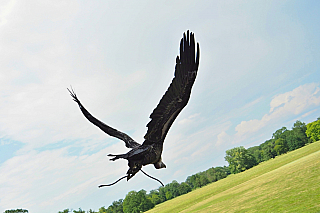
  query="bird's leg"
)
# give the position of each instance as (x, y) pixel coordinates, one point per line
(116, 157)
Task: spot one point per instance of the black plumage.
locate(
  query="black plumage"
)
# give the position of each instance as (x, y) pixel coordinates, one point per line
(162, 117)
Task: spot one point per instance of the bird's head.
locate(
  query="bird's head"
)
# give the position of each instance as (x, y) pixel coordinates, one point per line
(159, 164)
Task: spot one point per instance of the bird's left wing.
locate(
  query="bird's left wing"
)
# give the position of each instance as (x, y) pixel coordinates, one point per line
(178, 93)
(130, 143)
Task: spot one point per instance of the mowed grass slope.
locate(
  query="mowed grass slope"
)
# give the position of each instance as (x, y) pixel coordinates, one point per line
(288, 183)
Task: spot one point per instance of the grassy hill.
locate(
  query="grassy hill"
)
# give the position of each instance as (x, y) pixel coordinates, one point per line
(288, 183)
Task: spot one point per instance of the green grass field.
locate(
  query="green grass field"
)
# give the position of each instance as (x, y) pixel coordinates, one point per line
(288, 183)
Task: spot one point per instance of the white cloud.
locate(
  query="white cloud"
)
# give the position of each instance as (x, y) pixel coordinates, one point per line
(252, 103)
(36, 68)
(54, 179)
(295, 102)
(298, 103)
(308, 113)
(189, 119)
(223, 138)
(6, 10)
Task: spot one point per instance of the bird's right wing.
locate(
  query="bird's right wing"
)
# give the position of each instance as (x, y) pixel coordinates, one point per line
(178, 93)
(130, 143)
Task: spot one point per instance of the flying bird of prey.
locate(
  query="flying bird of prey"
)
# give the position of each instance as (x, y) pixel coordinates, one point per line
(162, 117)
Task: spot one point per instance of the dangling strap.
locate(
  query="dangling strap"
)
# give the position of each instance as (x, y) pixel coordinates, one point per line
(152, 177)
(127, 176)
(114, 182)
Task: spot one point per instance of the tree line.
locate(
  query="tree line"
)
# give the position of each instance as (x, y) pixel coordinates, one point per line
(282, 141)
(16, 211)
(238, 158)
(141, 201)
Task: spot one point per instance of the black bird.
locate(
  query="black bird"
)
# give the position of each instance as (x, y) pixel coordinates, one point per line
(162, 117)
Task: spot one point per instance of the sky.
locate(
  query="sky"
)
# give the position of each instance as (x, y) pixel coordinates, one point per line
(259, 71)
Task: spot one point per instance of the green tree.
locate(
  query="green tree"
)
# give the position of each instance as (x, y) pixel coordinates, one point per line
(155, 199)
(297, 137)
(239, 159)
(194, 181)
(154, 191)
(203, 179)
(135, 202)
(257, 153)
(103, 210)
(313, 130)
(281, 146)
(173, 187)
(80, 211)
(267, 149)
(16, 211)
(64, 211)
(280, 133)
(169, 195)
(215, 174)
(115, 207)
(162, 194)
(211, 175)
(184, 188)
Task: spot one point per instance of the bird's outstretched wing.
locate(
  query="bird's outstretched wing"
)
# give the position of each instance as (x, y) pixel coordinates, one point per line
(130, 143)
(178, 93)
